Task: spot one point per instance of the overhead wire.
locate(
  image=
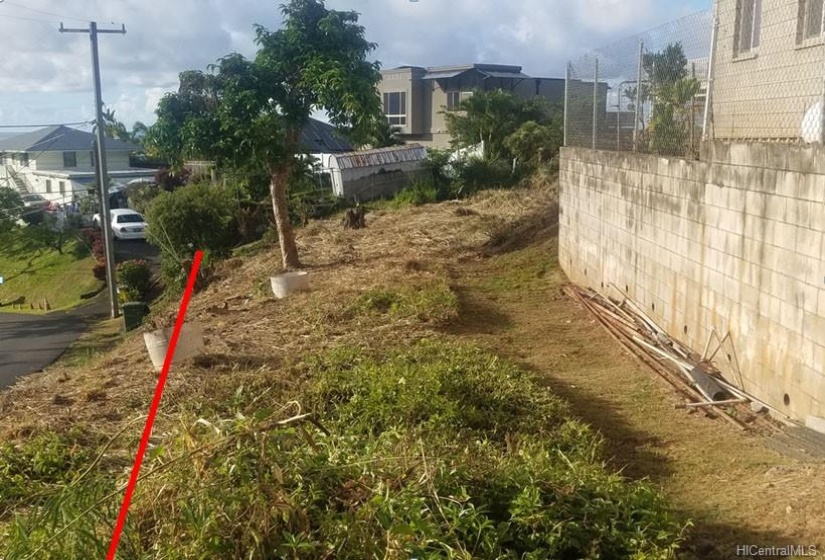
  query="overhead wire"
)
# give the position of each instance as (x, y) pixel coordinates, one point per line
(45, 12)
(78, 123)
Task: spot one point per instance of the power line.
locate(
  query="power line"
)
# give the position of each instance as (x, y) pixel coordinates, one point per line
(44, 12)
(36, 20)
(79, 123)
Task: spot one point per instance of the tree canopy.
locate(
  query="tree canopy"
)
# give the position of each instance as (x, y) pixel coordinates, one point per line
(11, 207)
(248, 114)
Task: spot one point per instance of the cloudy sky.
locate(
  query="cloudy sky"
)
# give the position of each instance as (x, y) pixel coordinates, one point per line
(45, 75)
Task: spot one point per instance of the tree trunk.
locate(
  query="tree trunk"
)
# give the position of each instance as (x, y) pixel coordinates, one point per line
(280, 205)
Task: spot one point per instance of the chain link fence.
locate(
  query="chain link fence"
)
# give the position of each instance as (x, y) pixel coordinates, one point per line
(645, 93)
(769, 71)
(755, 72)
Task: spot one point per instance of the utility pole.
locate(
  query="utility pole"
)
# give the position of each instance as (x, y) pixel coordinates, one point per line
(101, 172)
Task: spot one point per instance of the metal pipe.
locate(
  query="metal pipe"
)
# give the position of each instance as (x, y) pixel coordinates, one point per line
(595, 100)
(638, 96)
(709, 87)
(713, 403)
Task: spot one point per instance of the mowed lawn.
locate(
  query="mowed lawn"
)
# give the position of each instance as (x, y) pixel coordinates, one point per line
(37, 274)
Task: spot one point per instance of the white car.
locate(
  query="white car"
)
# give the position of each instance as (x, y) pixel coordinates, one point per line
(126, 224)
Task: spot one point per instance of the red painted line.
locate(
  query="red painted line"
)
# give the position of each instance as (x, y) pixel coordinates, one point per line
(153, 409)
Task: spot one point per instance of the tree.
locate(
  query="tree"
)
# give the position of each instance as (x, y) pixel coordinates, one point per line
(490, 117)
(383, 135)
(533, 143)
(11, 207)
(53, 232)
(116, 129)
(247, 115)
(671, 91)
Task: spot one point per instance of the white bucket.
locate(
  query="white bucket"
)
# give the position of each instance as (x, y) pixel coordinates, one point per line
(190, 343)
(288, 282)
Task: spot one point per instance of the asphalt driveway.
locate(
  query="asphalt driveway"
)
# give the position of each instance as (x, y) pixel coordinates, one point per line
(29, 343)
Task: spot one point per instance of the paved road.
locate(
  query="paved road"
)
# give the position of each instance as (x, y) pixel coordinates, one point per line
(29, 343)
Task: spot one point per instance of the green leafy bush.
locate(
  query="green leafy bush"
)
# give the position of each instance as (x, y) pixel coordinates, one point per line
(476, 174)
(533, 144)
(199, 216)
(141, 196)
(420, 192)
(135, 279)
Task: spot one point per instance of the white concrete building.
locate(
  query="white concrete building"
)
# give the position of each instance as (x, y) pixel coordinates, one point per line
(59, 163)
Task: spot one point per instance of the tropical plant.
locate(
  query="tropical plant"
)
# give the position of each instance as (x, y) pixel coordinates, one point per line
(534, 144)
(490, 117)
(248, 114)
(672, 128)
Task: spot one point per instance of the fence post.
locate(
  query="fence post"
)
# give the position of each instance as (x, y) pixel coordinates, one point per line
(619, 123)
(822, 113)
(709, 92)
(638, 107)
(566, 101)
(595, 100)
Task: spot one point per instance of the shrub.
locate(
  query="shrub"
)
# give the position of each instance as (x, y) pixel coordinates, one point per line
(199, 216)
(141, 197)
(169, 180)
(135, 279)
(420, 192)
(478, 174)
(533, 144)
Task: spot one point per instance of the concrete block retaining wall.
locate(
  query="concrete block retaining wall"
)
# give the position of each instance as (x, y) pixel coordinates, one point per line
(731, 243)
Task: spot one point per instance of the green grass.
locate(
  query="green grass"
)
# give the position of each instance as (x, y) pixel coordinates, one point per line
(521, 270)
(429, 302)
(437, 450)
(101, 337)
(35, 274)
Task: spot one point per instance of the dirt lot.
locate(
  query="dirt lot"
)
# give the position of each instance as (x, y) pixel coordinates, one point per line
(498, 253)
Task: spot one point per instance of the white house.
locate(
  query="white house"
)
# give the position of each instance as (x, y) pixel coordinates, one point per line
(58, 163)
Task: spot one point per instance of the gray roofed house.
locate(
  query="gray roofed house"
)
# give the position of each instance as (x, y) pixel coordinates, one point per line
(59, 139)
(58, 162)
(318, 137)
(415, 98)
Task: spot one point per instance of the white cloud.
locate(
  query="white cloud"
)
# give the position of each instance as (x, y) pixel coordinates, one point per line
(165, 37)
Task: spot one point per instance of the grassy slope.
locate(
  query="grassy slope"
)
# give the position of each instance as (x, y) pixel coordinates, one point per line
(508, 300)
(36, 274)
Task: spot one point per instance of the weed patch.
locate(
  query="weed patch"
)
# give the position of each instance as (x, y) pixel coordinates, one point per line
(433, 451)
(431, 301)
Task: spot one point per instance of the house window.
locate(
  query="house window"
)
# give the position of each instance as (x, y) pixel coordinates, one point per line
(62, 185)
(810, 19)
(748, 23)
(69, 159)
(22, 159)
(454, 99)
(48, 186)
(395, 107)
